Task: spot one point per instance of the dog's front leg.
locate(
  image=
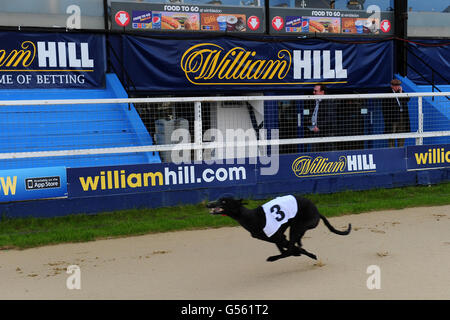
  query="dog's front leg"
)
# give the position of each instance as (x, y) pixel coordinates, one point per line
(291, 250)
(280, 247)
(306, 253)
(284, 254)
(284, 246)
(281, 242)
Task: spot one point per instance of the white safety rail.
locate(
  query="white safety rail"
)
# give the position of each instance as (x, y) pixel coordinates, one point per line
(210, 126)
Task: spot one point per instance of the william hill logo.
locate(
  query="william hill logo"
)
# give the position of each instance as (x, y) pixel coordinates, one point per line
(307, 166)
(49, 55)
(211, 64)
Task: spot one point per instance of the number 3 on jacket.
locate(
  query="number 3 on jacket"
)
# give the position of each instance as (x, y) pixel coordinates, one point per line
(278, 211)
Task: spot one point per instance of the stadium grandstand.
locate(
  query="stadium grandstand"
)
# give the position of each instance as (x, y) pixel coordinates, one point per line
(108, 105)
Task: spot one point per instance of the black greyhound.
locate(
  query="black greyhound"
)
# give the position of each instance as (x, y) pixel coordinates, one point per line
(298, 213)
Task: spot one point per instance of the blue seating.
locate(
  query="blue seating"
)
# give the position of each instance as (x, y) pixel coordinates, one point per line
(70, 127)
(435, 110)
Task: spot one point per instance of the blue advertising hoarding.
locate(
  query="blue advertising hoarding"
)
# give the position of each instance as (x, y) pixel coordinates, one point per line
(297, 167)
(32, 183)
(235, 64)
(288, 169)
(51, 60)
(100, 189)
(97, 181)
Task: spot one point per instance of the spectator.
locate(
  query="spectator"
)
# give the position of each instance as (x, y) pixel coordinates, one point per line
(396, 114)
(319, 119)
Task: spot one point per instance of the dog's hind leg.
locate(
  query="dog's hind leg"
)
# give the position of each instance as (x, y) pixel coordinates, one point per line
(306, 225)
(298, 239)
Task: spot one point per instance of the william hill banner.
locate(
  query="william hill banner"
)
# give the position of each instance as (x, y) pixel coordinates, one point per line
(296, 168)
(40, 60)
(230, 64)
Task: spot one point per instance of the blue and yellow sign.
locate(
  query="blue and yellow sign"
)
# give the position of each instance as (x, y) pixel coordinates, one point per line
(156, 177)
(51, 60)
(32, 183)
(428, 156)
(231, 64)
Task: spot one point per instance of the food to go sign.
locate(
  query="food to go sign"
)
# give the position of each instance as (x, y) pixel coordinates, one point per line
(159, 17)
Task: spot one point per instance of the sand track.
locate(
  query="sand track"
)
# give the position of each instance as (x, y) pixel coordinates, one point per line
(411, 247)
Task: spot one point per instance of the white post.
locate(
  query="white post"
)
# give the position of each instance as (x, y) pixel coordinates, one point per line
(198, 135)
(419, 141)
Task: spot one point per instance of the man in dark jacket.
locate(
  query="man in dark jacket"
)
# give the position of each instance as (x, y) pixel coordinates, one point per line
(319, 119)
(396, 114)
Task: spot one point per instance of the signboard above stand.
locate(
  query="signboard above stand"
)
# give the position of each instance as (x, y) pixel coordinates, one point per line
(330, 22)
(288, 18)
(206, 16)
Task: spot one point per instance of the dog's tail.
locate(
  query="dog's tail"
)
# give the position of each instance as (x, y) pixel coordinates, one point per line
(332, 229)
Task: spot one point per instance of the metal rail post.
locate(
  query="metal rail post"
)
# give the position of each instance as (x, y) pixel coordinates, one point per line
(198, 134)
(419, 141)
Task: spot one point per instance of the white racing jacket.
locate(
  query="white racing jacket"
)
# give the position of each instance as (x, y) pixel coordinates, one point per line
(278, 211)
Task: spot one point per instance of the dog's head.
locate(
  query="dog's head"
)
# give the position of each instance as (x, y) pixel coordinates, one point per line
(226, 206)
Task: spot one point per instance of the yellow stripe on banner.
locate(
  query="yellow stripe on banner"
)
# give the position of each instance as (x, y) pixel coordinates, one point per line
(260, 84)
(336, 174)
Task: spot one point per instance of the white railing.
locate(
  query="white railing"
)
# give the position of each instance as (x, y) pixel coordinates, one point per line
(199, 144)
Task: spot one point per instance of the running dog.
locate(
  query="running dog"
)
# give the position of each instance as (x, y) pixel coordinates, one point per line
(270, 221)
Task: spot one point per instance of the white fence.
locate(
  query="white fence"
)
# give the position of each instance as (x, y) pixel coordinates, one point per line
(351, 118)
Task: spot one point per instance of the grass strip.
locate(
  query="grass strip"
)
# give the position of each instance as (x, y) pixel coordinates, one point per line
(21, 233)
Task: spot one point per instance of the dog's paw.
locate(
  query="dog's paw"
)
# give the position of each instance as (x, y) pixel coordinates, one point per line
(313, 256)
(272, 258)
(297, 252)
